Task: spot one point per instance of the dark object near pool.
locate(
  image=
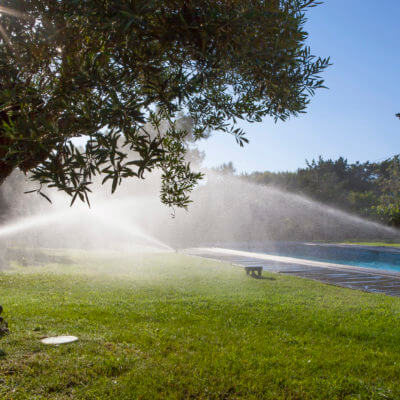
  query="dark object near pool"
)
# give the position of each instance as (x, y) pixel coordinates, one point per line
(3, 324)
(253, 270)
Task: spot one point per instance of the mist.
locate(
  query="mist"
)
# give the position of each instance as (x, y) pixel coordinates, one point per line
(226, 212)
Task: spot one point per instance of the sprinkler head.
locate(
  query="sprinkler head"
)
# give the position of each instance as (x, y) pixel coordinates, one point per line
(56, 340)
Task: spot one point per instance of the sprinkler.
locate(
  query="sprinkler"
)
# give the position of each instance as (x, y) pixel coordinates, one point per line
(56, 340)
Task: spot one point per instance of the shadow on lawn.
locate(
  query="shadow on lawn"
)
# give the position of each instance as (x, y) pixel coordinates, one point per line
(262, 277)
(3, 331)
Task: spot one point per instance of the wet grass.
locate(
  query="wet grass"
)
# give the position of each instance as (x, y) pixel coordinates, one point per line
(174, 327)
(376, 244)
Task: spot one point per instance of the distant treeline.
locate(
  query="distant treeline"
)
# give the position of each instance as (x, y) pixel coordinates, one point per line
(367, 189)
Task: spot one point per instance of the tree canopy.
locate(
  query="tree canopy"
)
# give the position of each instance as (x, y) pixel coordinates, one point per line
(119, 74)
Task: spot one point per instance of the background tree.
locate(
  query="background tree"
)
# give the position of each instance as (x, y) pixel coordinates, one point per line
(367, 189)
(225, 169)
(107, 70)
(388, 204)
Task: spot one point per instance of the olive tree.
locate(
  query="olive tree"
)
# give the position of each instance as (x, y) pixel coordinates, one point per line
(119, 73)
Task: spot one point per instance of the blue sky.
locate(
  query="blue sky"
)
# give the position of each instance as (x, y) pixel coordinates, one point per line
(355, 117)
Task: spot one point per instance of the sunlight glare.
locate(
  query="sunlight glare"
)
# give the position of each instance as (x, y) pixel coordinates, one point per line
(4, 35)
(12, 12)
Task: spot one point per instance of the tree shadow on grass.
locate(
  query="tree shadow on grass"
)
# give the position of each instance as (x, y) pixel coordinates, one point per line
(262, 277)
(267, 278)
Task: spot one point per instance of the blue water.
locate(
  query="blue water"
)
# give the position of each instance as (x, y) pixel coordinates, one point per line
(382, 259)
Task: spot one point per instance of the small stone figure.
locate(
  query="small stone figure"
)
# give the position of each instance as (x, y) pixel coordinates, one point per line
(3, 325)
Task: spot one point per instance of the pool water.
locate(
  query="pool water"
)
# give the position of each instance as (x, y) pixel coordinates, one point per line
(382, 259)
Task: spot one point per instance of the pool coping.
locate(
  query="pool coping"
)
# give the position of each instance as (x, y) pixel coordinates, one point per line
(295, 261)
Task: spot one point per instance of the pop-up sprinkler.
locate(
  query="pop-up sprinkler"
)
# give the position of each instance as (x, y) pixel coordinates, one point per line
(56, 340)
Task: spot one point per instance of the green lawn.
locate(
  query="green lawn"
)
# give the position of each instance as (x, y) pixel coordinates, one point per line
(174, 327)
(377, 244)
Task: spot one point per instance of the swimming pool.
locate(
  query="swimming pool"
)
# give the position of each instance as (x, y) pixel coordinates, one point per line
(359, 256)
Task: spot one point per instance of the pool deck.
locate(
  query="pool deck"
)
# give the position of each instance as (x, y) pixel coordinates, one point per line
(365, 279)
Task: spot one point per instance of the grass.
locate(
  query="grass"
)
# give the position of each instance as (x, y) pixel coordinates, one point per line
(376, 244)
(172, 327)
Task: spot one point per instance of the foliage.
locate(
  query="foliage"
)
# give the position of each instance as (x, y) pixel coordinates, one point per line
(388, 205)
(225, 169)
(109, 70)
(368, 189)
